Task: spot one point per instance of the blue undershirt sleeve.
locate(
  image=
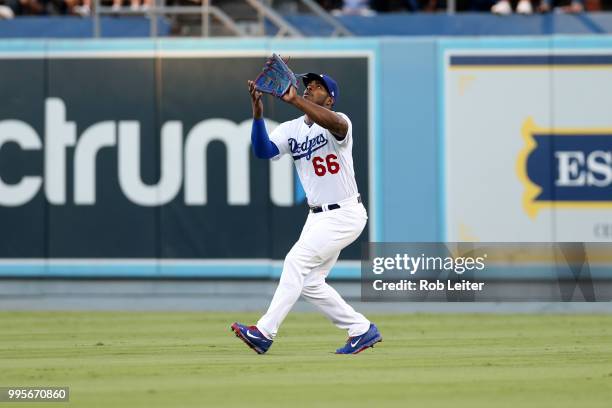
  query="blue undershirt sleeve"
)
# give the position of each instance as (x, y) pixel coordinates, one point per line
(263, 147)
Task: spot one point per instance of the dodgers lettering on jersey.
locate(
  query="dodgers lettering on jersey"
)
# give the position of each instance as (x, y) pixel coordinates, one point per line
(324, 164)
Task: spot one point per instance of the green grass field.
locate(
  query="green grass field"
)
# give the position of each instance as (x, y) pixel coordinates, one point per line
(193, 360)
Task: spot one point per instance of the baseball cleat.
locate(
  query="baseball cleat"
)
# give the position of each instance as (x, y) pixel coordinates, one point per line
(357, 344)
(252, 337)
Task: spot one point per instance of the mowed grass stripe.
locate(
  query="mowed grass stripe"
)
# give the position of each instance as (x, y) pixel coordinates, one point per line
(149, 359)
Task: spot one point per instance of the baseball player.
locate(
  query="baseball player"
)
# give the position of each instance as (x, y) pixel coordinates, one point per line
(320, 143)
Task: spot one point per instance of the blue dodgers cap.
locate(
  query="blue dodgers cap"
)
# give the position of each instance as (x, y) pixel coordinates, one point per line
(330, 84)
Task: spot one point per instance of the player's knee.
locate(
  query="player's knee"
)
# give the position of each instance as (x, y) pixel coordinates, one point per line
(308, 292)
(292, 263)
(299, 259)
(311, 291)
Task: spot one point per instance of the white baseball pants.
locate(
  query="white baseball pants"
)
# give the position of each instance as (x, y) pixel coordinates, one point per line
(307, 265)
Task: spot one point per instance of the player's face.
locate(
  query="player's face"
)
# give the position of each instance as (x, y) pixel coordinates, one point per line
(316, 92)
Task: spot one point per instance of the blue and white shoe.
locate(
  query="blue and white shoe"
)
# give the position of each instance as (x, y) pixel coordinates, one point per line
(357, 344)
(252, 337)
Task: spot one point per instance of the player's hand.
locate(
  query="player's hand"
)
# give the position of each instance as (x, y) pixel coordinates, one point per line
(290, 95)
(256, 102)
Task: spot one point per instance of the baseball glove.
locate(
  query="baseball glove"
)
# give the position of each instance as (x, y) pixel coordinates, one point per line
(276, 77)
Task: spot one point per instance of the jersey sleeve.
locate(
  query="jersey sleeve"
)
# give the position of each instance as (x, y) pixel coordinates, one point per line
(349, 132)
(281, 140)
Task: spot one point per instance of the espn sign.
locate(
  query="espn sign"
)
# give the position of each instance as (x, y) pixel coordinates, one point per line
(579, 169)
(565, 167)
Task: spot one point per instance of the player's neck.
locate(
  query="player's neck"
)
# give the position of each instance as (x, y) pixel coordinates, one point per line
(308, 121)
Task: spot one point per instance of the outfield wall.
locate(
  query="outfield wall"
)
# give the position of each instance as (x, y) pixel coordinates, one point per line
(131, 158)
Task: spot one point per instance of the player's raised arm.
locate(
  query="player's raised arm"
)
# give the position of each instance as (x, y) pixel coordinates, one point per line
(320, 113)
(263, 147)
(256, 103)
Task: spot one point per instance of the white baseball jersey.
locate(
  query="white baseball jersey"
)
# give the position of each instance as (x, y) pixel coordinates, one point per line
(324, 164)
